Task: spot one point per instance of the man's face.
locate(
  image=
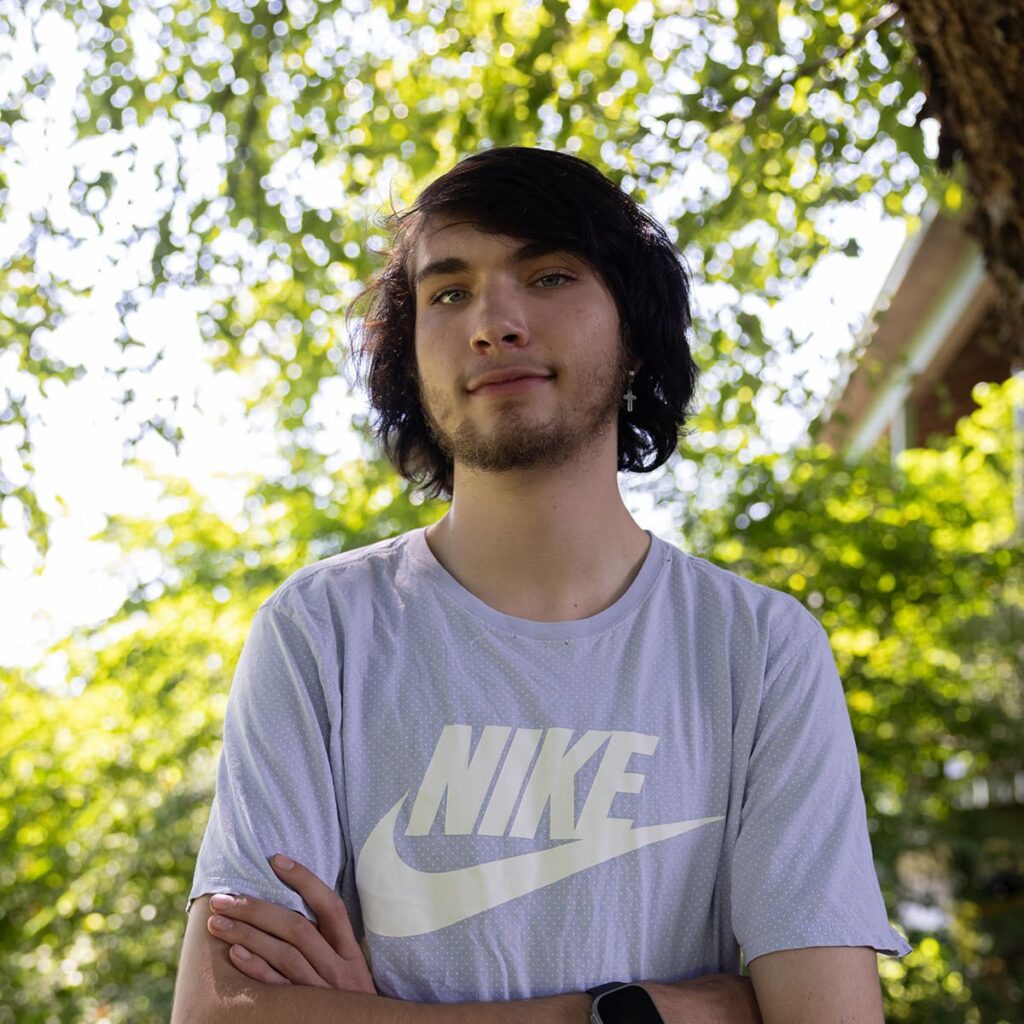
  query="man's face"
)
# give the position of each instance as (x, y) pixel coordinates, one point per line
(492, 309)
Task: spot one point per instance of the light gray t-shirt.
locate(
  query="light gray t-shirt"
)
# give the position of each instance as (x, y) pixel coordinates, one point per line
(513, 809)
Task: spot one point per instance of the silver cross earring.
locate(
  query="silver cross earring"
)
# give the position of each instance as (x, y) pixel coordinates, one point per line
(629, 396)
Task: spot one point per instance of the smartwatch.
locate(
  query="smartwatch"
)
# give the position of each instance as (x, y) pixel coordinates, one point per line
(620, 1002)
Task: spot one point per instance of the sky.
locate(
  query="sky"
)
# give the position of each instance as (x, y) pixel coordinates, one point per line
(78, 473)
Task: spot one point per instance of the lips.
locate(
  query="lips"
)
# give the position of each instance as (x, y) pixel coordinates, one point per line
(511, 387)
(496, 377)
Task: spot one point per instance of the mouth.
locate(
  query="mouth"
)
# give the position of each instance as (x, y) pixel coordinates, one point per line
(509, 387)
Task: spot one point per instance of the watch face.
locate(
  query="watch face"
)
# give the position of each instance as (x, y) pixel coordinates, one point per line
(630, 1004)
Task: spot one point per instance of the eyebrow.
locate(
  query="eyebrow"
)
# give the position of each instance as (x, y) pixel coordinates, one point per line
(455, 264)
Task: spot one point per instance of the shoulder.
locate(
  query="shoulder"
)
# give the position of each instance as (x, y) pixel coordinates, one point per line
(752, 619)
(347, 576)
(721, 589)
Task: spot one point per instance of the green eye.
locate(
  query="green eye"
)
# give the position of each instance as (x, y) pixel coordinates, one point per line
(555, 273)
(437, 299)
(441, 294)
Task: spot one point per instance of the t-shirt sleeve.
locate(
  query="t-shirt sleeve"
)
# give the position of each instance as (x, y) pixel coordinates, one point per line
(803, 873)
(275, 791)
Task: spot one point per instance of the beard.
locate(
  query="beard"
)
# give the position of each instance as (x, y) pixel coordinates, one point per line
(514, 439)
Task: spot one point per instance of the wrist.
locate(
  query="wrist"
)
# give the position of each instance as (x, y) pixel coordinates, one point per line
(708, 999)
(620, 1002)
(578, 1011)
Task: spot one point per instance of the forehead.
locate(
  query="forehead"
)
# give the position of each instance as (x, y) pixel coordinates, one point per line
(445, 245)
(438, 232)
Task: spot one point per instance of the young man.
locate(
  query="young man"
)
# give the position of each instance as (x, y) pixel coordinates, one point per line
(533, 750)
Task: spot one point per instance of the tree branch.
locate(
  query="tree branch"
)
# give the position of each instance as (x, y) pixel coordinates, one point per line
(812, 67)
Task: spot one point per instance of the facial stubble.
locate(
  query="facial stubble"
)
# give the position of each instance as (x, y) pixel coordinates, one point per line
(514, 439)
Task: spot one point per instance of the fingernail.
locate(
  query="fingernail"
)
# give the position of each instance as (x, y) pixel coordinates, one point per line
(283, 862)
(221, 923)
(221, 900)
(242, 953)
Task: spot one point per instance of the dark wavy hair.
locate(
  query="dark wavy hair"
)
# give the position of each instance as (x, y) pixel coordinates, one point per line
(544, 196)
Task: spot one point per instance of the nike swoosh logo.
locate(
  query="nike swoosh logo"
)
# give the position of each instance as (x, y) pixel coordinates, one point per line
(398, 901)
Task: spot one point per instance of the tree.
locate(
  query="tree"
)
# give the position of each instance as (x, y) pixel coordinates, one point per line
(918, 581)
(972, 58)
(105, 787)
(746, 124)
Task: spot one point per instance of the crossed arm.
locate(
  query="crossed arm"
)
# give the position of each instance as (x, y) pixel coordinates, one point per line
(315, 974)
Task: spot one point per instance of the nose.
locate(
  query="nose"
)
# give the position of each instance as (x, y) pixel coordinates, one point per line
(500, 320)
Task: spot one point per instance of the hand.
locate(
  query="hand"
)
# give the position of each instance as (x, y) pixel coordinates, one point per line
(285, 947)
(709, 999)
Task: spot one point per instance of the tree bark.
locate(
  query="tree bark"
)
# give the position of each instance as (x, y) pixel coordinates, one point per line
(973, 60)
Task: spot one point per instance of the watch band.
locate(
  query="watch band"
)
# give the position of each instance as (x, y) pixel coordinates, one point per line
(599, 990)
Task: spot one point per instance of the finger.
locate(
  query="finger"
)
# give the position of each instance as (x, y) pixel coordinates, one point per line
(329, 908)
(281, 956)
(293, 928)
(255, 967)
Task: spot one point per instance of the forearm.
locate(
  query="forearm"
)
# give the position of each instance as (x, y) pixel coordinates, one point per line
(710, 999)
(296, 1004)
(713, 999)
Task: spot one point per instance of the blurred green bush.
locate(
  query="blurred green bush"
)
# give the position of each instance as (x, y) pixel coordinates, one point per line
(914, 570)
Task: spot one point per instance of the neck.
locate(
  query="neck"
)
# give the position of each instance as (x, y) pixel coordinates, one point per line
(541, 544)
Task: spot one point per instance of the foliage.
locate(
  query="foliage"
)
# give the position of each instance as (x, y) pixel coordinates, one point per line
(291, 125)
(741, 127)
(916, 574)
(917, 579)
(105, 789)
